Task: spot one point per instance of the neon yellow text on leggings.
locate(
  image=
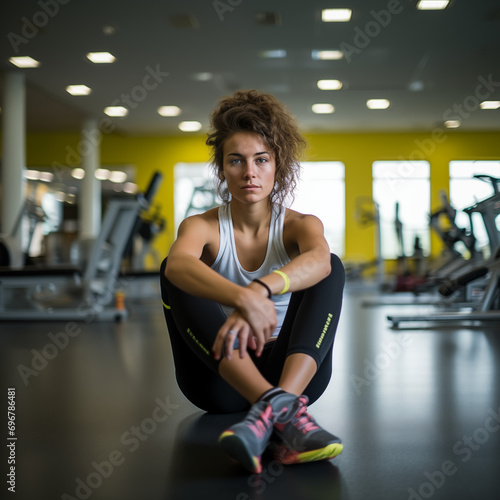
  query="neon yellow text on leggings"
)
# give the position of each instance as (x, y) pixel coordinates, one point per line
(325, 328)
(198, 343)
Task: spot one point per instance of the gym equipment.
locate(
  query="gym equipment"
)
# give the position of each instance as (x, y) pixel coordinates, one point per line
(459, 244)
(407, 279)
(69, 293)
(367, 213)
(203, 198)
(488, 307)
(452, 237)
(489, 209)
(11, 254)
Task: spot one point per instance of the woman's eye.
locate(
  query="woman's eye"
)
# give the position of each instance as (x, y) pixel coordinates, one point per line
(262, 160)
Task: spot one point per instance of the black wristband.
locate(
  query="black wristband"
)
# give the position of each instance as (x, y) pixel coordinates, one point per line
(269, 294)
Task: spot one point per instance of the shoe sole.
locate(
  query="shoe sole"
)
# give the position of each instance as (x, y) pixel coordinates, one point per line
(236, 448)
(287, 457)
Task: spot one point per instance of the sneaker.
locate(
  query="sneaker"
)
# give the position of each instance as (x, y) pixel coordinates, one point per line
(303, 440)
(246, 441)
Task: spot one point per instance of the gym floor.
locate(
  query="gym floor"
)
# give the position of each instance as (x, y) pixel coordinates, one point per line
(98, 414)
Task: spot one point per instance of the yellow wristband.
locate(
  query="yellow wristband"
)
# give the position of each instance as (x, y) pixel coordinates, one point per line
(287, 281)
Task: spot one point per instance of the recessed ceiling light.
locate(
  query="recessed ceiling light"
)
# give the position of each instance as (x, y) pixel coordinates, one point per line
(169, 111)
(329, 84)
(78, 89)
(78, 173)
(336, 15)
(322, 108)
(102, 174)
(31, 175)
(116, 111)
(109, 29)
(432, 4)
(24, 62)
(490, 105)
(452, 123)
(46, 176)
(327, 55)
(377, 104)
(190, 126)
(101, 57)
(273, 54)
(416, 86)
(204, 76)
(130, 187)
(117, 176)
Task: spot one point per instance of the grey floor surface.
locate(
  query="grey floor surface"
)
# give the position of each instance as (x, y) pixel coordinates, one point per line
(98, 414)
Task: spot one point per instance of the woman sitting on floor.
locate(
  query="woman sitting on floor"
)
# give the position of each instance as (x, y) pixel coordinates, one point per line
(251, 293)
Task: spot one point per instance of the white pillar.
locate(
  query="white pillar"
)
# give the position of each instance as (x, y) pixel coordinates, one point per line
(90, 196)
(13, 152)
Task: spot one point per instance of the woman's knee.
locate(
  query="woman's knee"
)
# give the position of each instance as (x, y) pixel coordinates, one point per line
(338, 271)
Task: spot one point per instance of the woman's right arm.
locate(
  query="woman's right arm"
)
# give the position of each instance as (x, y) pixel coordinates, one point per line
(187, 272)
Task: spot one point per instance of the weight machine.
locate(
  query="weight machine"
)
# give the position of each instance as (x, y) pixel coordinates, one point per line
(71, 293)
(488, 308)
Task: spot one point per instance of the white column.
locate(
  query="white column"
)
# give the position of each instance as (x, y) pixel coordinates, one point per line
(14, 152)
(90, 196)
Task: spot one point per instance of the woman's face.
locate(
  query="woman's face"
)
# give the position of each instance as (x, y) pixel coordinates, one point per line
(249, 167)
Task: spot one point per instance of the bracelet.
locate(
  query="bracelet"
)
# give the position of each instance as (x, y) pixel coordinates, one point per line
(269, 294)
(287, 281)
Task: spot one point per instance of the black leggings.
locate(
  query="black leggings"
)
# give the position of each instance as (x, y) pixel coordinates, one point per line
(309, 327)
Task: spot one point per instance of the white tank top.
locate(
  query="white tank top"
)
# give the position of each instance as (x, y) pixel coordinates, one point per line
(228, 265)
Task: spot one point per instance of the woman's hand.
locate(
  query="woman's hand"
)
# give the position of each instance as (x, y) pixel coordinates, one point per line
(252, 324)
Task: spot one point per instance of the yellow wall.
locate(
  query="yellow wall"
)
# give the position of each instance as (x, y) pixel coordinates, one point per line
(356, 150)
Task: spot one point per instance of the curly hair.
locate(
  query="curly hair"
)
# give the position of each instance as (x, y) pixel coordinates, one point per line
(254, 111)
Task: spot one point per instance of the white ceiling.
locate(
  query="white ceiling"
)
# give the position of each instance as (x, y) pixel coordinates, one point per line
(449, 52)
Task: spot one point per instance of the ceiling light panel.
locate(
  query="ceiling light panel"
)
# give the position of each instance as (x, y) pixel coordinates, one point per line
(169, 111)
(432, 4)
(329, 84)
(78, 173)
(490, 105)
(78, 89)
(101, 57)
(377, 104)
(24, 62)
(327, 55)
(336, 15)
(116, 111)
(322, 108)
(190, 126)
(273, 54)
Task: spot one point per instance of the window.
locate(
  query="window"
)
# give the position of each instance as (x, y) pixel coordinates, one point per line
(408, 185)
(194, 190)
(466, 191)
(320, 191)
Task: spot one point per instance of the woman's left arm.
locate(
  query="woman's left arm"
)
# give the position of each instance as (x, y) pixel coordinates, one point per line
(310, 255)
